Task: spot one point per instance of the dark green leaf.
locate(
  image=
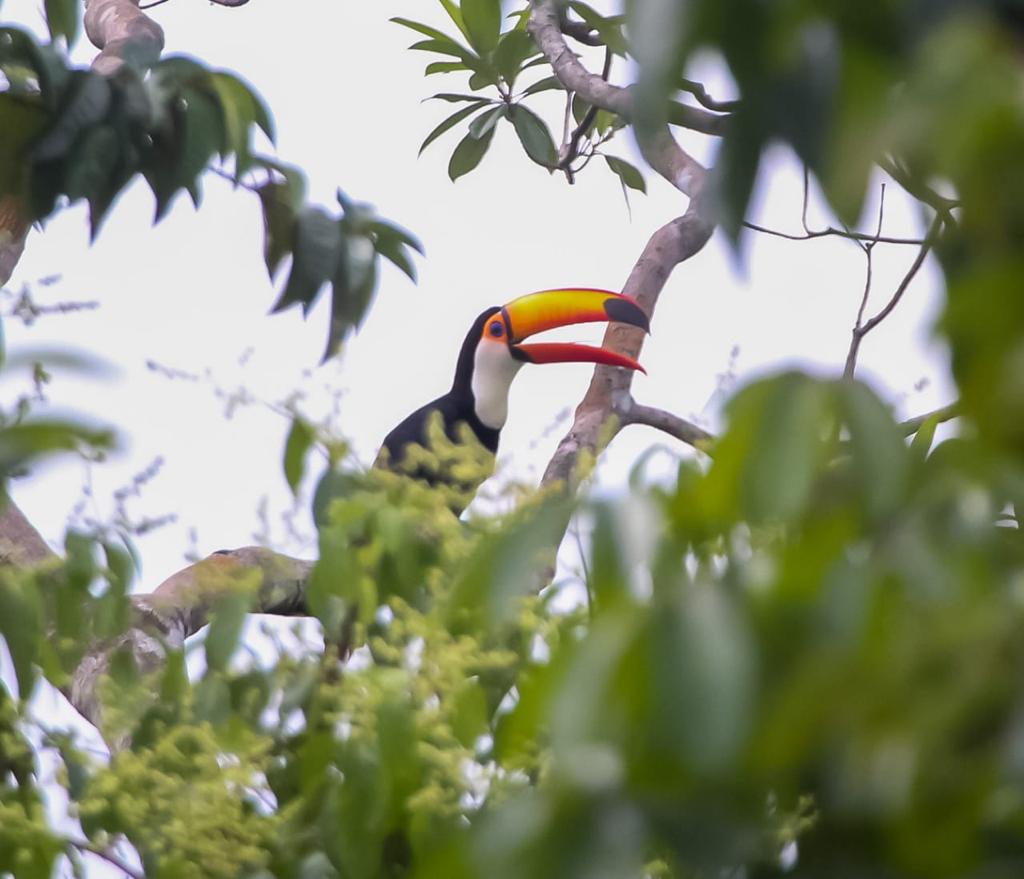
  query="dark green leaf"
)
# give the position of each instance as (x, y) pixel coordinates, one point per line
(452, 97)
(534, 136)
(385, 229)
(87, 103)
(278, 224)
(315, 256)
(485, 122)
(468, 154)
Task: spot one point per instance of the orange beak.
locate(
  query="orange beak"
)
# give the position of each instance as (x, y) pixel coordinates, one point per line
(549, 309)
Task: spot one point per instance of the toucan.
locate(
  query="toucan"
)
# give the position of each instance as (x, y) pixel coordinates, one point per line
(469, 418)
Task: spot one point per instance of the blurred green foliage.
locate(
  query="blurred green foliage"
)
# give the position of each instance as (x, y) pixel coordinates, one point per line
(801, 657)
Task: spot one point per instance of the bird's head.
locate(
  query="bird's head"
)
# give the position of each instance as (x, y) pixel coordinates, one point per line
(493, 351)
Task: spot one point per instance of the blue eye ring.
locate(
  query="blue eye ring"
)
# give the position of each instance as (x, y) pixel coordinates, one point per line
(496, 329)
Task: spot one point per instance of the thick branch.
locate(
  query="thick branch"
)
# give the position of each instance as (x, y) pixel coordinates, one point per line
(674, 242)
(180, 607)
(123, 33)
(609, 390)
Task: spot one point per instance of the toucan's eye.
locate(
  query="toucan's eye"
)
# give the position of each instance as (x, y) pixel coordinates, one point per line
(497, 329)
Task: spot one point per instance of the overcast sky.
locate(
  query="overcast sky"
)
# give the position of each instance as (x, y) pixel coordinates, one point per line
(192, 294)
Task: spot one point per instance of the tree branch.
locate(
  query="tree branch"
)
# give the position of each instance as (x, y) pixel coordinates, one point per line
(673, 243)
(580, 31)
(832, 231)
(546, 31)
(609, 390)
(180, 607)
(673, 425)
(122, 33)
(859, 330)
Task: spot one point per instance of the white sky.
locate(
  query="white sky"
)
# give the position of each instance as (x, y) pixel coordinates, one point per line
(193, 294)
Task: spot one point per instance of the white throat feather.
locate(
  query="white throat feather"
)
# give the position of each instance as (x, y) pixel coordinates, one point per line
(494, 367)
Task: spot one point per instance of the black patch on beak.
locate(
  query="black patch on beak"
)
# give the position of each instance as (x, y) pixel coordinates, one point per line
(627, 312)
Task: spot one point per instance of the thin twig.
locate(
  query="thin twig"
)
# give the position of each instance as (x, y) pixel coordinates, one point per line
(918, 262)
(856, 334)
(859, 332)
(701, 94)
(151, 5)
(832, 231)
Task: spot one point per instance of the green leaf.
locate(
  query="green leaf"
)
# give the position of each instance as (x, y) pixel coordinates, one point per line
(627, 173)
(469, 712)
(447, 46)
(351, 288)
(21, 627)
(385, 229)
(443, 67)
(62, 19)
(453, 97)
(514, 48)
(241, 110)
(88, 101)
(394, 251)
(468, 154)
(225, 630)
(879, 452)
(278, 224)
(422, 28)
(28, 440)
(21, 122)
(455, 14)
(90, 169)
(316, 252)
(534, 136)
(542, 85)
(923, 438)
(485, 122)
(300, 438)
(483, 21)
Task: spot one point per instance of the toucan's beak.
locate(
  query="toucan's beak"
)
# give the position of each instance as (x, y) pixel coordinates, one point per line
(549, 309)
